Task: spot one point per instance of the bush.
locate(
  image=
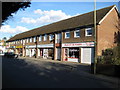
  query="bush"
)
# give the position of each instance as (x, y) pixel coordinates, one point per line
(100, 60)
(110, 56)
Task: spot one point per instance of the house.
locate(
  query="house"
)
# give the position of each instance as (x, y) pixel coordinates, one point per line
(71, 39)
(2, 47)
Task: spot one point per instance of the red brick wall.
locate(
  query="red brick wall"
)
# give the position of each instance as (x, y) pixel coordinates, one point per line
(106, 32)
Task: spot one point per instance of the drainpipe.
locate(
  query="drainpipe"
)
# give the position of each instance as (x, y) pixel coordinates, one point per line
(23, 47)
(54, 44)
(36, 47)
(61, 53)
(15, 48)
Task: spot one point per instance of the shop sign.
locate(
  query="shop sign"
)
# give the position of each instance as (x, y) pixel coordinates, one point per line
(31, 46)
(19, 46)
(84, 44)
(45, 46)
(10, 46)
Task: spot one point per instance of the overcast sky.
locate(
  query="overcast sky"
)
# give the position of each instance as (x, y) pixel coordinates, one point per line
(43, 13)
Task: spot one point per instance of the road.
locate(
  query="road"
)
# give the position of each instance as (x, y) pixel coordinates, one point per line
(28, 73)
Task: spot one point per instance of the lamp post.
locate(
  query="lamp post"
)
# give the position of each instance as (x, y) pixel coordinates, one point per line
(95, 37)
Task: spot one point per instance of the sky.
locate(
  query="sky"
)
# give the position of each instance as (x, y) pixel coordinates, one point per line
(43, 13)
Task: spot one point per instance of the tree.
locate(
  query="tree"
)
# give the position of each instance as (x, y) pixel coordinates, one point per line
(4, 38)
(8, 8)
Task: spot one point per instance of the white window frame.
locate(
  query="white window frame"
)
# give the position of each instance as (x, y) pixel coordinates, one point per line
(50, 37)
(18, 41)
(21, 41)
(40, 38)
(66, 34)
(27, 40)
(86, 34)
(77, 30)
(31, 39)
(45, 37)
(34, 39)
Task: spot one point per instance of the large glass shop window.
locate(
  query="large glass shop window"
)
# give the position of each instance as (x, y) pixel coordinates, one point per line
(50, 52)
(74, 52)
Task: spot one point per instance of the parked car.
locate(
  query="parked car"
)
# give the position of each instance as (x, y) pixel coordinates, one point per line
(10, 55)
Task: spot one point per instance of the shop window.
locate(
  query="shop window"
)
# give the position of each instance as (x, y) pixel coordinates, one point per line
(74, 53)
(40, 38)
(45, 37)
(50, 52)
(88, 32)
(67, 34)
(77, 33)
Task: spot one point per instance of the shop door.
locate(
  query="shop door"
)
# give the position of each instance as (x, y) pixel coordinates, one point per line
(45, 53)
(27, 52)
(30, 54)
(87, 55)
(58, 53)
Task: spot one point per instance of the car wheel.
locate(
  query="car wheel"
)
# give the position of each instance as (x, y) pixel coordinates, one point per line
(16, 56)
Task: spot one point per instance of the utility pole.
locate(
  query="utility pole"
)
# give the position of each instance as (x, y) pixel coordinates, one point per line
(95, 37)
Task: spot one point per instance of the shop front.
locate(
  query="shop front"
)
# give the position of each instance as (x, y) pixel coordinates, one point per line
(45, 51)
(78, 52)
(71, 54)
(19, 50)
(11, 49)
(30, 50)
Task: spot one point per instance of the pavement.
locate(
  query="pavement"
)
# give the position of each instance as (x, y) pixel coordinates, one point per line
(26, 72)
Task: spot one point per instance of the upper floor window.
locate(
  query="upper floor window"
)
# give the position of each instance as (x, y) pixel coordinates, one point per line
(88, 32)
(40, 38)
(30, 39)
(45, 37)
(34, 39)
(27, 40)
(67, 34)
(77, 33)
(21, 41)
(51, 37)
(18, 41)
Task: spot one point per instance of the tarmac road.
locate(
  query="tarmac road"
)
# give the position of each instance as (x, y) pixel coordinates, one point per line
(28, 73)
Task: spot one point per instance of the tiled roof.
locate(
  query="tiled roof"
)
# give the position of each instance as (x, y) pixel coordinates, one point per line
(74, 22)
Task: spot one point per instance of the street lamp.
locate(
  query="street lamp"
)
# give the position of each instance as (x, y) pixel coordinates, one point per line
(95, 37)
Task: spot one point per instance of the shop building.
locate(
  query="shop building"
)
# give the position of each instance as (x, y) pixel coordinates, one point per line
(71, 39)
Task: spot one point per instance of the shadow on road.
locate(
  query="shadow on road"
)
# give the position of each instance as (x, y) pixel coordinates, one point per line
(17, 73)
